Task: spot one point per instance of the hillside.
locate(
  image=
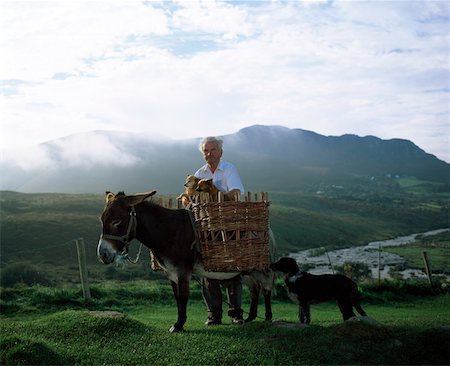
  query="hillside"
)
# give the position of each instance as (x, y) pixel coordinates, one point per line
(41, 228)
(269, 158)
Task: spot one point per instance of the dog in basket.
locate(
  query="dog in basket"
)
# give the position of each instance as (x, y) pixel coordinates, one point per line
(305, 288)
(207, 186)
(191, 190)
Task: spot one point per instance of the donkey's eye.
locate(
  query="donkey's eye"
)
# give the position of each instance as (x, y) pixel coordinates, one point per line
(116, 222)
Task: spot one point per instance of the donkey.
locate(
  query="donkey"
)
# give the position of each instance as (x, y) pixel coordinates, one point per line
(170, 235)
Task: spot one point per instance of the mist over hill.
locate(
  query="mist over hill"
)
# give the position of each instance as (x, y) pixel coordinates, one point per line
(269, 158)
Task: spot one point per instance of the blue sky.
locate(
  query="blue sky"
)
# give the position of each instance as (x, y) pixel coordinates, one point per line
(192, 68)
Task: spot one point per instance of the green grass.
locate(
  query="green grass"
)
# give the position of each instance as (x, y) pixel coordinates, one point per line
(437, 248)
(55, 331)
(141, 337)
(439, 257)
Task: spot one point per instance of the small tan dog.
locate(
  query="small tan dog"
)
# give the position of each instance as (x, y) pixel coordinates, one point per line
(207, 186)
(191, 190)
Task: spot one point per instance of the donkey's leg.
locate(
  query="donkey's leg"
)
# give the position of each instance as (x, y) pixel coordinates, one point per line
(181, 292)
(268, 304)
(254, 296)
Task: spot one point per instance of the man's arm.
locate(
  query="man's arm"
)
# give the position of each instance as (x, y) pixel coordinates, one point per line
(234, 182)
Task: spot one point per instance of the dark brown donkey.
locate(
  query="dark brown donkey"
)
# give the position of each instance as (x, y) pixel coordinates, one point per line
(168, 233)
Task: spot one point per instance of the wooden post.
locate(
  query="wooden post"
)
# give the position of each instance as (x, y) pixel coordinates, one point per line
(379, 265)
(329, 260)
(83, 268)
(220, 199)
(427, 267)
(237, 196)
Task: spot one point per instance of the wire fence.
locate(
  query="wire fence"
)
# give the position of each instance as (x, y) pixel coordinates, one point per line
(59, 264)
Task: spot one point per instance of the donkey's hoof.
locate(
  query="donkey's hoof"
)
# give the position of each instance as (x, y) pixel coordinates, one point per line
(175, 329)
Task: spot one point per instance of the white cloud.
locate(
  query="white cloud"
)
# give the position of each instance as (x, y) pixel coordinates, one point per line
(28, 158)
(193, 68)
(84, 150)
(214, 17)
(44, 38)
(89, 150)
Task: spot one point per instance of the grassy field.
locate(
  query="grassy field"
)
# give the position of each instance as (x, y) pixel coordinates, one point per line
(439, 257)
(56, 327)
(437, 248)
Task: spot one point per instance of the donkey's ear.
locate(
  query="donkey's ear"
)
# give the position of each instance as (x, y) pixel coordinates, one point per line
(109, 196)
(138, 198)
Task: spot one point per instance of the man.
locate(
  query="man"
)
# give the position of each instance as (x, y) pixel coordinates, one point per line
(226, 178)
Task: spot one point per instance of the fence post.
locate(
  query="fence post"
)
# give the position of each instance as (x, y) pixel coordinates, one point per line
(83, 268)
(427, 267)
(329, 261)
(379, 264)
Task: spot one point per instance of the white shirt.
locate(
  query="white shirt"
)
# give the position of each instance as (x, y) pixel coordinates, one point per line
(225, 177)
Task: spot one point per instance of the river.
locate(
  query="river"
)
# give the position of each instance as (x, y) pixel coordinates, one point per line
(368, 254)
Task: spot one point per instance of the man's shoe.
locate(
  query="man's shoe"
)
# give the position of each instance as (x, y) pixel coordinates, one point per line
(211, 322)
(238, 321)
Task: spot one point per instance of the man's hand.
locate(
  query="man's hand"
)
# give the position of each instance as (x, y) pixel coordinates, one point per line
(233, 194)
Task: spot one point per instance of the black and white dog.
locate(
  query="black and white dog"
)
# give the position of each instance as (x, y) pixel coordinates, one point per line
(305, 288)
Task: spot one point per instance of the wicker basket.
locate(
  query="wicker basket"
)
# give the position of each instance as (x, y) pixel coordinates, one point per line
(233, 235)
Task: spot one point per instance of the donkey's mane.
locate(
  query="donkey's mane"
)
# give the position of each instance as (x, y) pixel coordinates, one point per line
(157, 206)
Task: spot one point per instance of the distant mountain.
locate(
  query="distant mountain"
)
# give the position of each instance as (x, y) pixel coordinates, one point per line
(269, 158)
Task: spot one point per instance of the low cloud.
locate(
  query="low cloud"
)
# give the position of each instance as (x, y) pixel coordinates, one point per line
(82, 150)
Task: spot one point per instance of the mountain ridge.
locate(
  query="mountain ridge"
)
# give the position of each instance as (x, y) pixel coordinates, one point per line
(268, 157)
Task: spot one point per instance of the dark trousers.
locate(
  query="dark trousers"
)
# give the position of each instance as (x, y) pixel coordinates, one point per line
(212, 294)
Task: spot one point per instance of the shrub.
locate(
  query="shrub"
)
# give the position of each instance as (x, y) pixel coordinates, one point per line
(22, 272)
(280, 292)
(45, 297)
(357, 271)
(399, 290)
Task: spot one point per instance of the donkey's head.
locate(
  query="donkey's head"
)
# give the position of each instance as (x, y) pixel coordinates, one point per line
(118, 225)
